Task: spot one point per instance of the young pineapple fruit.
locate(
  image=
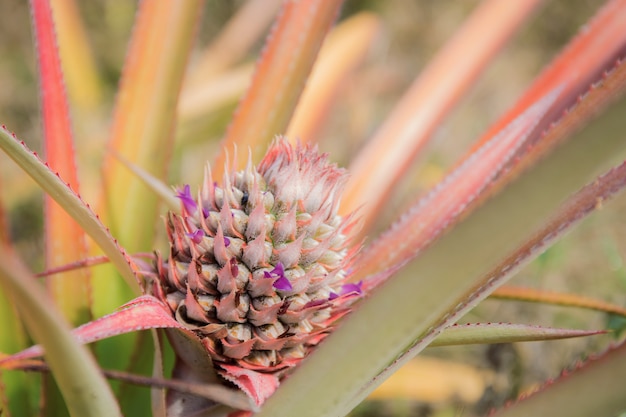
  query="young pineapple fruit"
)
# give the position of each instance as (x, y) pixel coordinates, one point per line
(257, 266)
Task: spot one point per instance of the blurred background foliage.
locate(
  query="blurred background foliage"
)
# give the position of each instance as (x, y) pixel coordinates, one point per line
(473, 379)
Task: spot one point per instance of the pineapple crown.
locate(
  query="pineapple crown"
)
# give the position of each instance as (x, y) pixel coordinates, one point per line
(257, 267)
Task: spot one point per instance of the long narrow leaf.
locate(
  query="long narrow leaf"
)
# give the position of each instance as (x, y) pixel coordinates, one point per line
(85, 390)
(13, 385)
(595, 388)
(145, 115)
(77, 60)
(599, 43)
(343, 50)
(64, 238)
(288, 57)
(472, 333)
(452, 195)
(241, 32)
(142, 313)
(431, 97)
(413, 305)
(556, 298)
(577, 207)
(71, 202)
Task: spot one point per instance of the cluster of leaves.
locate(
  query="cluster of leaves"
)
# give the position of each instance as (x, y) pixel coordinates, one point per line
(518, 189)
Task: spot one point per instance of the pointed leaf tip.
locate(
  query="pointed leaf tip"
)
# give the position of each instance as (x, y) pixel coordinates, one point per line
(142, 313)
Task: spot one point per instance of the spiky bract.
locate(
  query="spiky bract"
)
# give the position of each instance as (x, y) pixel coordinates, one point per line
(257, 266)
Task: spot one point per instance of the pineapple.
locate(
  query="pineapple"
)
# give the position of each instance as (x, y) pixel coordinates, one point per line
(257, 267)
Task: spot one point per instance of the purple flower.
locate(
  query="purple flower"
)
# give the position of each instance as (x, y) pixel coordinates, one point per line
(188, 202)
(196, 236)
(282, 283)
(349, 288)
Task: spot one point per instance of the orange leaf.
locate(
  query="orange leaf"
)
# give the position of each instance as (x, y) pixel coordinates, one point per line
(288, 57)
(593, 51)
(558, 298)
(145, 115)
(343, 50)
(64, 239)
(430, 99)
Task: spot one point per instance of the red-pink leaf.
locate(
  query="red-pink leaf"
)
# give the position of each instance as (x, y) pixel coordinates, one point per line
(290, 51)
(64, 239)
(259, 386)
(142, 313)
(56, 120)
(593, 51)
(438, 210)
(388, 154)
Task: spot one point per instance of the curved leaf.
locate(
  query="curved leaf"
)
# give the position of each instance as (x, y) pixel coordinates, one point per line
(342, 51)
(142, 313)
(240, 34)
(85, 391)
(594, 388)
(289, 54)
(64, 239)
(556, 298)
(443, 205)
(145, 114)
(71, 202)
(83, 83)
(414, 304)
(431, 97)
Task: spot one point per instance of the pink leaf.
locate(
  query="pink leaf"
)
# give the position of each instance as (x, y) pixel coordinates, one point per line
(257, 385)
(444, 205)
(145, 312)
(64, 238)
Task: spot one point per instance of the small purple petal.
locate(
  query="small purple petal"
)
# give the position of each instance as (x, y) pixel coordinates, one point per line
(196, 236)
(226, 241)
(279, 270)
(188, 202)
(347, 289)
(283, 284)
(351, 288)
(205, 212)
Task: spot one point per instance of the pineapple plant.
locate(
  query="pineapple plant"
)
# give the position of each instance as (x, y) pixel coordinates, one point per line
(257, 267)
(263, 264)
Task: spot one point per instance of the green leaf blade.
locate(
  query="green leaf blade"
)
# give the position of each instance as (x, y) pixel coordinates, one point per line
(435, 287)
(483, 333)
(85, 390)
